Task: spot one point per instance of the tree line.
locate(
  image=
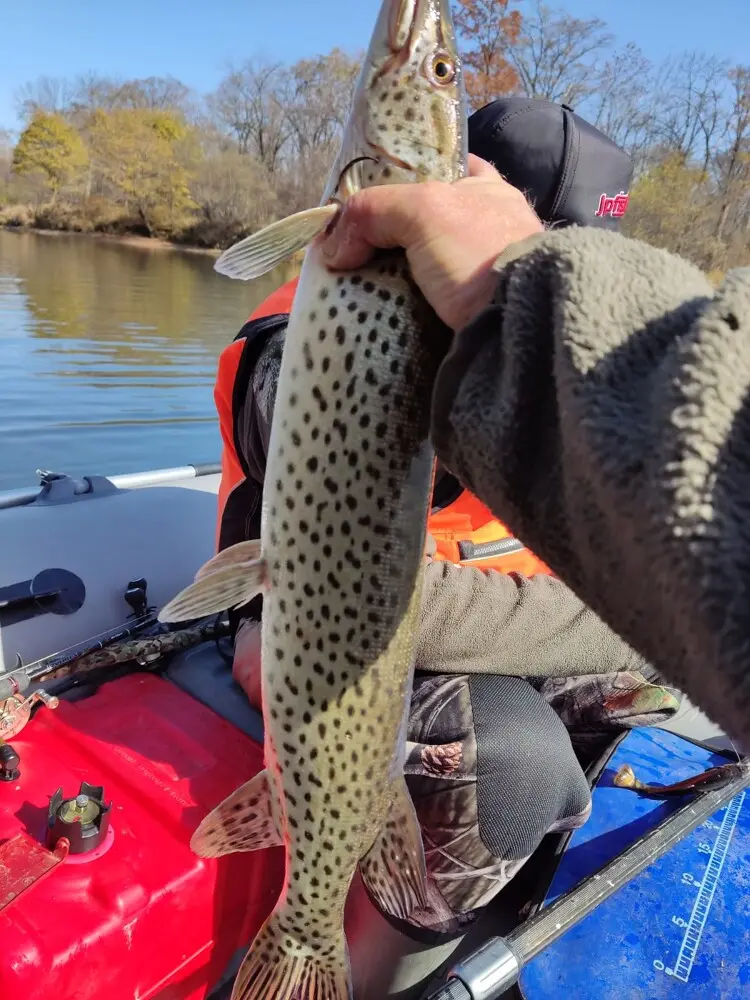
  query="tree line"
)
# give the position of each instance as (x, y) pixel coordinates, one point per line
(149, 156)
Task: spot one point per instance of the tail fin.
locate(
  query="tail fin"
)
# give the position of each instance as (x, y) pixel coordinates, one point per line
(279, 967)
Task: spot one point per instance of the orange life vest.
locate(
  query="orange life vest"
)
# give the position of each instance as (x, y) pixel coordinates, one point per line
(232, 473)
(465, 531)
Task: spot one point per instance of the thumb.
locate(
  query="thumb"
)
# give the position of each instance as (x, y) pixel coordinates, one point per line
(481, 168)
(380, 217)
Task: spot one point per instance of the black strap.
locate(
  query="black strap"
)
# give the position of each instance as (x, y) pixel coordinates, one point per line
(256, 334)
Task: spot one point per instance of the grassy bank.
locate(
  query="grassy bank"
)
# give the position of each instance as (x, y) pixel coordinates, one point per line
(126, 239)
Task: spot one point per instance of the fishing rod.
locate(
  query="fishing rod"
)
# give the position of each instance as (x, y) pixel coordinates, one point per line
(491, 970)
(18, 681)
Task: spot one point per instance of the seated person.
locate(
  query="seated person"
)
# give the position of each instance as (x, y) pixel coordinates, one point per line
(516, 678)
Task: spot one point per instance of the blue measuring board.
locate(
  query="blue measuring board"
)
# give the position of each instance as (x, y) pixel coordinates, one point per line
(681, 929)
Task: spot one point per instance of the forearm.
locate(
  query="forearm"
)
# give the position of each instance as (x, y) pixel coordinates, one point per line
(487, 622)
(599, 407)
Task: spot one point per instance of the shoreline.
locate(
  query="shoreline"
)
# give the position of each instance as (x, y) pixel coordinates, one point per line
(124, 239)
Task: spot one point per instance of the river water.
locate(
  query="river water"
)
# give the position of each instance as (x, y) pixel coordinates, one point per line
(108, 354)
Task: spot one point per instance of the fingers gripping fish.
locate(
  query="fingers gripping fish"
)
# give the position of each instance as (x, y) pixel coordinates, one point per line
(345, 506)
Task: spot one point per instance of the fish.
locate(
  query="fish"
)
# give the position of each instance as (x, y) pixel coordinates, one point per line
(343, 530)
(706, 781)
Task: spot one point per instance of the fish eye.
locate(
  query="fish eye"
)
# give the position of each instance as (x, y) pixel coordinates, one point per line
(441, 68)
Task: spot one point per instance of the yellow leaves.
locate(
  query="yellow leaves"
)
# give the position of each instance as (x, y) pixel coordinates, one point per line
(671, 205)
(51, 147)
(137, 154)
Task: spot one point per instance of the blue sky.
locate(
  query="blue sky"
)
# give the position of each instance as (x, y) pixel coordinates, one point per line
(194, 39)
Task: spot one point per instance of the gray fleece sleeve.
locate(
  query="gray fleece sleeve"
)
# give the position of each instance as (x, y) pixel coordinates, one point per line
(476, 622)
(601, 408)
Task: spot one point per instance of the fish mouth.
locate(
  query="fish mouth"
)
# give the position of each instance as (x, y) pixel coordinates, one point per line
(407, 18)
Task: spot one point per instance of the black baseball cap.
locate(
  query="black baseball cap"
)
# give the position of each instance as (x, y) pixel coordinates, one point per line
(570, 171)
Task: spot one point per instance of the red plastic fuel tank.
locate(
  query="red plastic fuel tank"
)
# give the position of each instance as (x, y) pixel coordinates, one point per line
(141, 917)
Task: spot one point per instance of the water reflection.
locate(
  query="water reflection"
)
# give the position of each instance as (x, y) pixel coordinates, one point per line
(109, 353)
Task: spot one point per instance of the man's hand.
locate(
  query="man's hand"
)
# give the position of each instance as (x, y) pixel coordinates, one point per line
(452, 234)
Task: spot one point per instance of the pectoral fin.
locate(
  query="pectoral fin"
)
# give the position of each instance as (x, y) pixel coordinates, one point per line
(263, 251)
(393, 870)
(239, 553)
(244, 821)
(227, 587)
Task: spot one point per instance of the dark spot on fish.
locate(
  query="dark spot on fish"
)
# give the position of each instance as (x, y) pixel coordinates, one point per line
(318, 396)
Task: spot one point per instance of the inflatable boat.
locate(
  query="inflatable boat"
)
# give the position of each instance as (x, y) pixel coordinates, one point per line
(104, 775)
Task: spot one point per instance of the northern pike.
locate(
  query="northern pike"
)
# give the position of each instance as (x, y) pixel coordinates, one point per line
(345, 506)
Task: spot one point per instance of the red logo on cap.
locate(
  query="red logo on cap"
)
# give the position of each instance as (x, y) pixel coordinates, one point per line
(616, 207)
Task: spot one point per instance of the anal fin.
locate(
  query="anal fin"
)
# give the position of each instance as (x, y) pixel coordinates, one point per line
(264, 250)
(393, 870)
(227, 587)
(244, 821)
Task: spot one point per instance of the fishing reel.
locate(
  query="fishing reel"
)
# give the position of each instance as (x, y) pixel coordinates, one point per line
(15, 711)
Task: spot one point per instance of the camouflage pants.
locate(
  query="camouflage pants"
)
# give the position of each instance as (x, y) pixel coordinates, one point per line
(494, 763)
(493, 766)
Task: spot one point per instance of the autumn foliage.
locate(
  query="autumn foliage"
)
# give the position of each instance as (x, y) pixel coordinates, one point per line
(151, 157)
(489, 29)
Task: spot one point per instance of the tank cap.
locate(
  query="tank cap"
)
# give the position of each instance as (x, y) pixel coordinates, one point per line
(82, 819)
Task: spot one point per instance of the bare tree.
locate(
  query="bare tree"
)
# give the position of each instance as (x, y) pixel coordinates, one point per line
(249, 103)
(733, 162)
(689, 92)
(6, 158)
(318, 97)
(93, 91)
(622, 102)
(233, 195)
(155, 93)
(555, 54)
(47, 93)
